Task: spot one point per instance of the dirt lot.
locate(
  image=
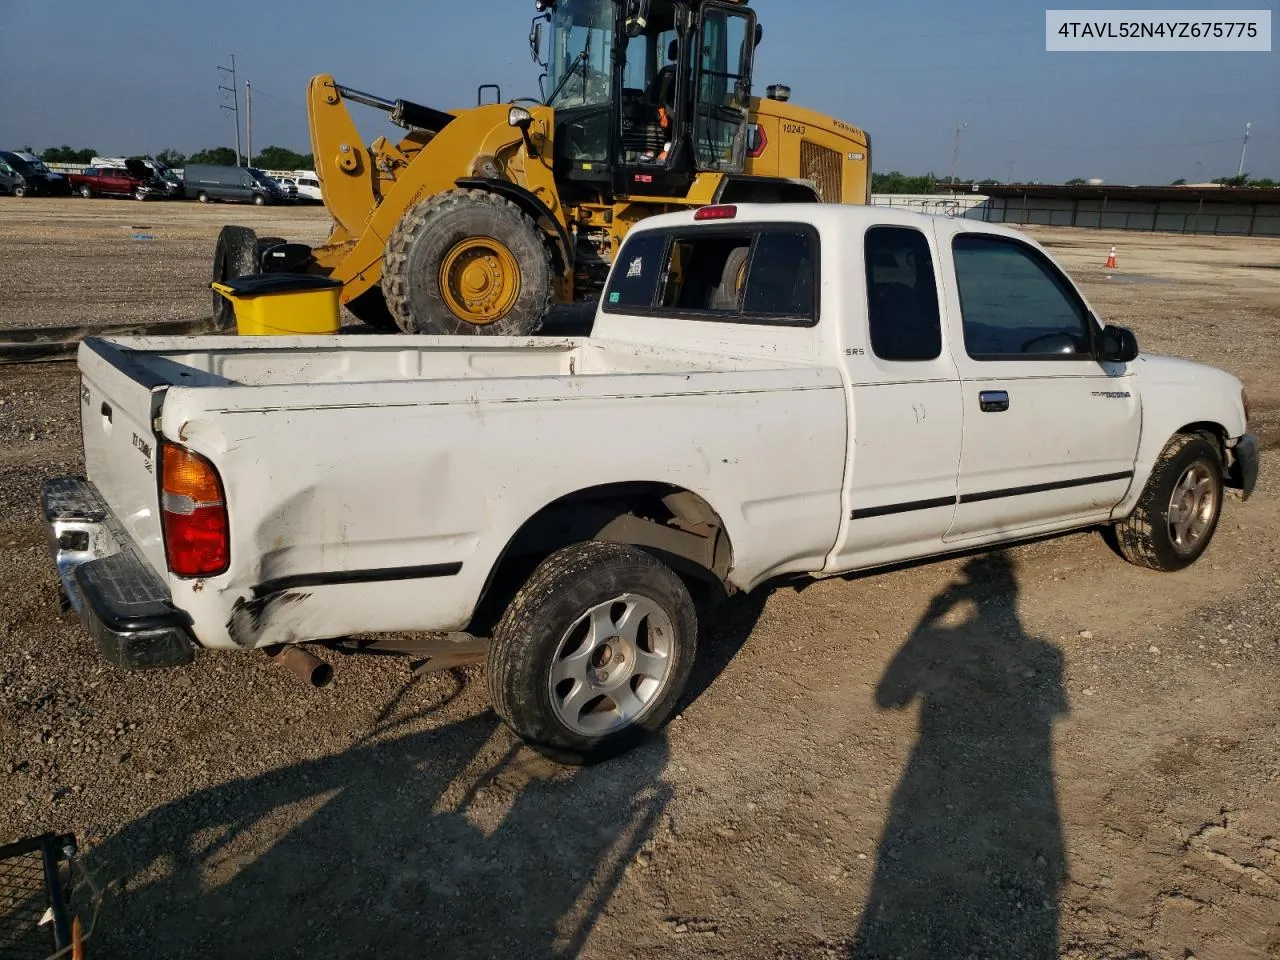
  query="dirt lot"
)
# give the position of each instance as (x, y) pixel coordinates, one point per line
(1033, 754)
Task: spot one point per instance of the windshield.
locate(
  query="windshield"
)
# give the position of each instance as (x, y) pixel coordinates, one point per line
(262, 178)
(581, 54)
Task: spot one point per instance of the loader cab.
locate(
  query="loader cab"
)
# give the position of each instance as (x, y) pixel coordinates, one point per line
(648, 94)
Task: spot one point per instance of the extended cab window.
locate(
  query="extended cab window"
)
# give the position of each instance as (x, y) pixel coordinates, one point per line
(902, 295)
(756, 274)
(1015, 305)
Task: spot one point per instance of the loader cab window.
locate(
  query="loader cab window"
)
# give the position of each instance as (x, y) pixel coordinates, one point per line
(580, 82)
(723, 88)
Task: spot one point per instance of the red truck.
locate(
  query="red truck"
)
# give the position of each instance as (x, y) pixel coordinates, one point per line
(141, 184)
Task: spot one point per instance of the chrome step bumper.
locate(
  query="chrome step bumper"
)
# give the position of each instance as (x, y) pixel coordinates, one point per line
(121, 601)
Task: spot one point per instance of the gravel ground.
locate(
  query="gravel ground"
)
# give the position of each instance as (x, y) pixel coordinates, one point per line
(1037, 753)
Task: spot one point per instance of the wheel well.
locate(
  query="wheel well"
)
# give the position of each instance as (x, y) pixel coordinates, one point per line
(1215, 433)
(746, 189)
(679, 527)
(555, 235)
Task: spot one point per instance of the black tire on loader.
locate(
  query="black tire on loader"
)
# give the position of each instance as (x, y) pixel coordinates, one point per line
(467, 262)
(371, 309)
(235, 255)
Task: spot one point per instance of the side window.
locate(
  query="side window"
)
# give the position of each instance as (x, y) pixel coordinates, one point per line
(634, 280)
(1016, 306)
(902, 295)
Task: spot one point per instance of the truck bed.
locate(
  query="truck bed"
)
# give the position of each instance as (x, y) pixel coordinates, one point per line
(284, 361)
(346, 455)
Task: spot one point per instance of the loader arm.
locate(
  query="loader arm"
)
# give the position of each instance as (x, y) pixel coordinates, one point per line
(341, 158)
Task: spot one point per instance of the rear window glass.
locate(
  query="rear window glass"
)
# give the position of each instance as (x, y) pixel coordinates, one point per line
(752, 274)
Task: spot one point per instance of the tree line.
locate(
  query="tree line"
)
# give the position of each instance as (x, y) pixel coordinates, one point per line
(270, 158)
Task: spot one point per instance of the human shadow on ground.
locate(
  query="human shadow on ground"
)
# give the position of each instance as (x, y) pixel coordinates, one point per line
(972, 856)
(443, 842)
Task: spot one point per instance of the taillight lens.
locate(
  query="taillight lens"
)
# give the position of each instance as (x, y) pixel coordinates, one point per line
(193, 512)
(716, 213)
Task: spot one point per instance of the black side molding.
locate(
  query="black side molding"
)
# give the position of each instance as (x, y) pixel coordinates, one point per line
(868, 513)
(387, 575)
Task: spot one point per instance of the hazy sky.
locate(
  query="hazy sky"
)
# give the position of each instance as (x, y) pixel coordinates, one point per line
(144, 78)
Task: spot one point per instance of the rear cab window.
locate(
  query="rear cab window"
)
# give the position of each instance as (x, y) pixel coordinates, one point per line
(741, 273)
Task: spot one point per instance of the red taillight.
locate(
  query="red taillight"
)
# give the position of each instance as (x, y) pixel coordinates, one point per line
(193, 513)
(716, 213)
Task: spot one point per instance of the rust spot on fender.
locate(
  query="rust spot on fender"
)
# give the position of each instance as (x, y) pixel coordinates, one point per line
(182, 431)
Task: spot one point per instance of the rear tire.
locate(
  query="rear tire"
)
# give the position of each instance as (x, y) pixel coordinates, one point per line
(139, 194)
(467, 262)
(1178, 511)
(234, 255)
(594, 653)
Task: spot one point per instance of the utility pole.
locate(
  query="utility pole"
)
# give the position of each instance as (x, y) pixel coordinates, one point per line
(1243, 147)
(248, 120)
(955, 157)
(235, 101)
(1011, 171)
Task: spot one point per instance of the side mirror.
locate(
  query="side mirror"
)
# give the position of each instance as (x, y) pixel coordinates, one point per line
(535, 42)
(1117, 345)
(759, 33)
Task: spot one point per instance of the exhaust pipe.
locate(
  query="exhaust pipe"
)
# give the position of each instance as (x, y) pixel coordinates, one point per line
(304, 665)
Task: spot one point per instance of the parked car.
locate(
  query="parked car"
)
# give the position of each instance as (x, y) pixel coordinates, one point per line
(25, 175)
(135, 181)
(146, 168)
(769, 391)
(206, 182)
(289, 187)
(309, 189)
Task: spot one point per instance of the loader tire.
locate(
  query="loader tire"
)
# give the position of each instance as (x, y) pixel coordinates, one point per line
(234, 255)
(371, 309)
(467, 262)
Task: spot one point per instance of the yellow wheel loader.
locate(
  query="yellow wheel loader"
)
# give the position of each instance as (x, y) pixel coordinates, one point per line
(479, 219)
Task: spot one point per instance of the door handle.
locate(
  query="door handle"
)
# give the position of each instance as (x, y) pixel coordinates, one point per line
(106, 411)
(993, 401)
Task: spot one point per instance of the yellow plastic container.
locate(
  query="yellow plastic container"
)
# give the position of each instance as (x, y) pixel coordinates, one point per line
(284, 304)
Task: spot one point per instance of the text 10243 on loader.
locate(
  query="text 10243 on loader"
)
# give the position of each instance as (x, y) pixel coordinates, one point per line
(479, 219)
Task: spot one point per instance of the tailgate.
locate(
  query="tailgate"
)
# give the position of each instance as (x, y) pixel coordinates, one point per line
(118, 403)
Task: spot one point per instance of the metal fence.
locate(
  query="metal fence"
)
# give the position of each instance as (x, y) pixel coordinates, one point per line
(1180, 216)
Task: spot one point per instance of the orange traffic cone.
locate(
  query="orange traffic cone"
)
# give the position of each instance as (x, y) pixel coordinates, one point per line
(1111, 259)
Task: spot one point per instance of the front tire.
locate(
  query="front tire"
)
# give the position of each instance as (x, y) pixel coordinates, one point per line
(140, 194)
(259, 199)
(19, 191)
(86, 191)
(1178, 511)
(202, 197)
(594, 653)
(467, 262)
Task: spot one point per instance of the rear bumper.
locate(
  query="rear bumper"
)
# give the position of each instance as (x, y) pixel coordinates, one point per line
(123, 604)
(1246, 460)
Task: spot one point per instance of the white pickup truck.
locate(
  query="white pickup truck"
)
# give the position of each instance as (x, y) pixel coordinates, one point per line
(768, 391)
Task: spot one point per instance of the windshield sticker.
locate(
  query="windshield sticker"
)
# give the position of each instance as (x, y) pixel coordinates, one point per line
(636, 269)
(615, 298)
